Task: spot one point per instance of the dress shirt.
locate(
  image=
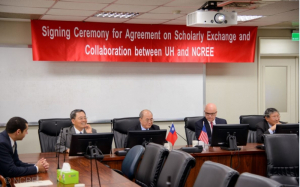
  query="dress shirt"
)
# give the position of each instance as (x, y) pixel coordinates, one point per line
(77, 131)
(271, 132)
(143, 129)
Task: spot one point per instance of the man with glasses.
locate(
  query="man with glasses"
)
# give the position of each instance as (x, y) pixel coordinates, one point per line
(268, 125)
(146, 121)
(209, 121)
(80, 126)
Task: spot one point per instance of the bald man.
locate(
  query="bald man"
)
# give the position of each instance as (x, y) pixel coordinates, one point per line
(209, 121)
(146, 121)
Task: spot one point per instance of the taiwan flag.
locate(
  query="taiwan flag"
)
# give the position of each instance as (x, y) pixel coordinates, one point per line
(172, 136)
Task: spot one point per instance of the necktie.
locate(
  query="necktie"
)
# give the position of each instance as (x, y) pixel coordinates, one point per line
(211, 124)
(80, 132)
(13, 148)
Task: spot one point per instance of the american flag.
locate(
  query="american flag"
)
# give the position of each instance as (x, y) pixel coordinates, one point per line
(203, 135)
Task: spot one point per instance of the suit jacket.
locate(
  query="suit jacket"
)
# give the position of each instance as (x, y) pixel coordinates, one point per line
(61, 143)
(138, 128)
(199, 126)
(10, 165)
(261, 129)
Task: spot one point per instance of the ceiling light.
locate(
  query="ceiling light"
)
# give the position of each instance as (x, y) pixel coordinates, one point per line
(247, 18)
(219, 18)
(117, 14)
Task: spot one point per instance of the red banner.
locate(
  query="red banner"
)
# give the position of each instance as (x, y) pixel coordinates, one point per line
(111, 42)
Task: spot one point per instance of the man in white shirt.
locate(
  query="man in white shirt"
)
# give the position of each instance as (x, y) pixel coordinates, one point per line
(80, 126)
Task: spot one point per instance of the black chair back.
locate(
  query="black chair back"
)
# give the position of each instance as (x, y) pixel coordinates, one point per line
(121, 127)
(251, 180)
(132, 160)
(252, 120)
(151, 165)
(282, 152)
(227, 176)
(48, 131)
(178, 166)
(189, 128)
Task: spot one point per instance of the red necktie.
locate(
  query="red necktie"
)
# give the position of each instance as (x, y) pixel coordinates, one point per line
(211, 123)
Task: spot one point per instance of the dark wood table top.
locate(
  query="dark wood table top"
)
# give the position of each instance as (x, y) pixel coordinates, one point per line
(108, 177)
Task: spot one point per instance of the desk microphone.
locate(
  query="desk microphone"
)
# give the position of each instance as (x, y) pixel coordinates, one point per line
(56, 136)
(66, 145)
(61, 132)
(180, 136)
(197, 149)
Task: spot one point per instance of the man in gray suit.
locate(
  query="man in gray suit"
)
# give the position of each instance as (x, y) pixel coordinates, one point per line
(80, 126)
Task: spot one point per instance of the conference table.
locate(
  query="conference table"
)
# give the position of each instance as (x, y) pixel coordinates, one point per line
(248, 159)
(108, 177)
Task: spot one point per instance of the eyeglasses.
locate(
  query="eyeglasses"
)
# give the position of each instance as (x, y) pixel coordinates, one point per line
(275, 117)
(82, 118)
(149, 120)
(210, 114)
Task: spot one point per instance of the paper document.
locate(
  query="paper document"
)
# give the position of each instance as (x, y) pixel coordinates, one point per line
(36, 183)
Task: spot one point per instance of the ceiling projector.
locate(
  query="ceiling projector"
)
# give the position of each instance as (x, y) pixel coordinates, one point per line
(207, 18)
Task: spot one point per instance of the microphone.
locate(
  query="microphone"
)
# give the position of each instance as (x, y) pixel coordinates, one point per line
(180, 136)
(197, 149)
(61, 132)
(66, 145)
(56, 137)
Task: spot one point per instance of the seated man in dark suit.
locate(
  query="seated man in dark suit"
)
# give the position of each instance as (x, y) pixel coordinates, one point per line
(268, 126)
(80, 126)
(10, 165)
(209, 120)
(146, 123)
(146, 120)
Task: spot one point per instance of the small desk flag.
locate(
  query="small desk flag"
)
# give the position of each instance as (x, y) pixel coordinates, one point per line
(172, 136)
(203, 135)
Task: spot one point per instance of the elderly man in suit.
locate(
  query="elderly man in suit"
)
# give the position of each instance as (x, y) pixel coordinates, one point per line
(80, 126)
(268, 126)
(10, 165)
(146, 121)
(209, 121)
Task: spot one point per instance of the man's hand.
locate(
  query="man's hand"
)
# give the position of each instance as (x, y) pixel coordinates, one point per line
(273, 128)
(43, 165)
(88, 128)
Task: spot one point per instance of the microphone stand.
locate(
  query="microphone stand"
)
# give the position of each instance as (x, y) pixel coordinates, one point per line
(93, 152)
(66, 145)
(179, 135)
(61, 132)
(56, 137)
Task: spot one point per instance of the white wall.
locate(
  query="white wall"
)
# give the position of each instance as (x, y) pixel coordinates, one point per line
(232, 87)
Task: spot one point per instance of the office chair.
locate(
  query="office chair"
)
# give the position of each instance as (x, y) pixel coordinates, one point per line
(282, 152)
(189, 128)
(252, 120)
(121, 127)
(48, 132)
(151, 165)
(177, 166)
(3, 181)
(227, 176)
(251, 180)
(131, 161)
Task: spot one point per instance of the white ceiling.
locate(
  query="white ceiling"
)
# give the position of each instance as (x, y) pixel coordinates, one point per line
(278, 14)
